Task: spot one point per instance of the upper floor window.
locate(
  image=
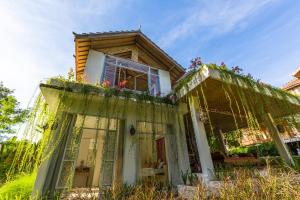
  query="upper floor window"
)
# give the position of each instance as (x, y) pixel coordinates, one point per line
(131, 75)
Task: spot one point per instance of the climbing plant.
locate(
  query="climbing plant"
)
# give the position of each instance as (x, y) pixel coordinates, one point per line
(248, 99)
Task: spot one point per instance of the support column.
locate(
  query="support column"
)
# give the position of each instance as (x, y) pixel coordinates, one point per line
(280, 145)
(201, 140)
(130, 164)
(222, 141)
(172, 156)
(184, 162)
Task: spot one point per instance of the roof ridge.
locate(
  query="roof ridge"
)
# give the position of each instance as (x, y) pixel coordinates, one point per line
(139, 32)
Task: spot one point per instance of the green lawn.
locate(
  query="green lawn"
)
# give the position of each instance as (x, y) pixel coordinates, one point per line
(20, 188)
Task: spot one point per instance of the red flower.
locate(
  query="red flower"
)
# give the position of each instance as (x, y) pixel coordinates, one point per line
(106, 84)
(122, 84)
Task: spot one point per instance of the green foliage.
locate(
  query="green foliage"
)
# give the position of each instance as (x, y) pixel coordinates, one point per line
(85, 88)
(233, 138)
(189, 177)
(184, 176)
(10, 113)
(297, 162)
(265, 149)
(213, 143)
(7, 156)
(20, 188)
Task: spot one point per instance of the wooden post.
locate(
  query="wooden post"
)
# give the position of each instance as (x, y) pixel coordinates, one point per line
(202, 143)
(280, 145)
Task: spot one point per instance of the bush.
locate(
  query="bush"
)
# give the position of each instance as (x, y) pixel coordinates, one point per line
(297, 162)
(20, 188)
(265, 149)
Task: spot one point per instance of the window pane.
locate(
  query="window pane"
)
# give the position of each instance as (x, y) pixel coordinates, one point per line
(154, 71)
(90, 122)
(113, 124)
(102, 123)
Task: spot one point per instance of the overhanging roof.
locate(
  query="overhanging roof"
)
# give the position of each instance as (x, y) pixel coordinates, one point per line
(86, 41)
(222, 97)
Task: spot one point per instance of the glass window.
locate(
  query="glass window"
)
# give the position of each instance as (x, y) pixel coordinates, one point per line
(90, 122)
(154, 71)
(102, 123)
(113, 124)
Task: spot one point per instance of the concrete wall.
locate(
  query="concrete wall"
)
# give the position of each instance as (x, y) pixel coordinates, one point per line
(137, 111)
(94, 67)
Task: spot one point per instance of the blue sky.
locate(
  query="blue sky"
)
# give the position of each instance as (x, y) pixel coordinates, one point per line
(261, 36)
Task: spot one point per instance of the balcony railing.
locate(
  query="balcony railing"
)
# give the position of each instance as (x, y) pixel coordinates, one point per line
(133, 75)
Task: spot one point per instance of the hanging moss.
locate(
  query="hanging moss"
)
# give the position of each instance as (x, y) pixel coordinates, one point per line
(247, 100)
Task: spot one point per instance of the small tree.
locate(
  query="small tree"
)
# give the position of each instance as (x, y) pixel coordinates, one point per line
(10, 113)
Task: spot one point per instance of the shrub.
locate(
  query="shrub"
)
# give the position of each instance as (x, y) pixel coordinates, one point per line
(265, 149)
(20, 188)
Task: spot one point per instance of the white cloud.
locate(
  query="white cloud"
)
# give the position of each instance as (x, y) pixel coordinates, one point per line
(37, 41)
(217, 16)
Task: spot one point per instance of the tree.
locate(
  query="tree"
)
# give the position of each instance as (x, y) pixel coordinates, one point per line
(10, 113)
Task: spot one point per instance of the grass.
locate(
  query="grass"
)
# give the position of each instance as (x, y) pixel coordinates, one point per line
(20, 188)
(276, 183)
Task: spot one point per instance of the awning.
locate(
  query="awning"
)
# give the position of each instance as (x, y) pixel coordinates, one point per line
(230, 99)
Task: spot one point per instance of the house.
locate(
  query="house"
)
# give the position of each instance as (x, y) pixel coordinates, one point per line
(120, 140)
(293, 86)
(133, 114)
(293, 136)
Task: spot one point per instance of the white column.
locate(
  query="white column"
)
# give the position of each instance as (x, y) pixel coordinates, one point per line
(130, 165)
(201, 140)
(183, 154)
(280, 145)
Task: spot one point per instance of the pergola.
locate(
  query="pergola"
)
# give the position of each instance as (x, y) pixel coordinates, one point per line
(232, 102)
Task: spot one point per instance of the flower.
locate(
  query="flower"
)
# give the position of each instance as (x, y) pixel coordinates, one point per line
(195, 63)
(106, 84)
(237, 69)
(122, 84)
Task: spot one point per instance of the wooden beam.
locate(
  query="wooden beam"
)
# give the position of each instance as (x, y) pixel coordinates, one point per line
(82, 57)
(85, 48)
(108, 45)
(83, 44)
(82, 53)
(148, 53)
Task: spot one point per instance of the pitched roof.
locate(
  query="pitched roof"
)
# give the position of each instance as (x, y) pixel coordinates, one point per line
(86, 41)
(293, 83)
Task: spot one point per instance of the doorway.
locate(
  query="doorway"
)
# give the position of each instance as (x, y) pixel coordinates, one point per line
(152, 152)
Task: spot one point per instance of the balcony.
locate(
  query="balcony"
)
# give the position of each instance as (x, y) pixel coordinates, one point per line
(130, 75)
